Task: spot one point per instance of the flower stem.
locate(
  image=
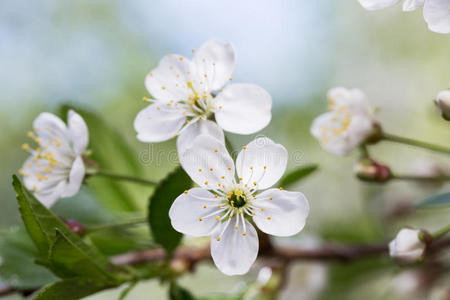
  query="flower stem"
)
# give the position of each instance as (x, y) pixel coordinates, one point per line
(440, 233)
(112, 175)
(416, 143)
(420, 178)
(126, 223)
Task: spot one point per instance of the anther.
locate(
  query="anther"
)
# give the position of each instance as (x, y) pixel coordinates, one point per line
(281, 188)
(204, 206)
(211, 169)
(268, 218)
(244, 148)
(30, 134)
(218, 239)
(217, 218)
(200, 219)
(215, 150)
(244, 234)
(206, 182)
(25, 147)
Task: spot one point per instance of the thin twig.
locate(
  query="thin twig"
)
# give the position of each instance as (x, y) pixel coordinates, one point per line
(192, 256)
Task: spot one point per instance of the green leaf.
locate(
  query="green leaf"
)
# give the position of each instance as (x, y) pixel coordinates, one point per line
(17, 255)
(177, 292)
(67, 260)
(111, 151)
(435, 200)
(297, 175)
(160, 202)
(42, 225)
(71, 289)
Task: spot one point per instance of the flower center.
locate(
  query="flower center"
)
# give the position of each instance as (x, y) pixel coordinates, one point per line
(237, 199)
(200, 104)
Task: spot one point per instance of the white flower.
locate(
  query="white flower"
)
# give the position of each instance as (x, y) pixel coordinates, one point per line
(407, 246)
(347, 124)
(222, 205)
(55, 168)
(443, 102)
(435, 12)
(188, 92)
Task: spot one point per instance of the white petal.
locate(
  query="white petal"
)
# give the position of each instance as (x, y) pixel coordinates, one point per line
(262, 161)
(437, 15)
(217, 60)
(235, 253)
(206, 161)
(169, 80)
(158, 122)
(189, 215)
(243, 108)
(48, 125)
(50, 196)
(283, 213)
(75, 178)
(377, 4)
(78, 132)
(188, 135)
(353, 99)
(410, 5)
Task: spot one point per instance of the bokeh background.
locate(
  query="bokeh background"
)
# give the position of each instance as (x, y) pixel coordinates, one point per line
(94, 55)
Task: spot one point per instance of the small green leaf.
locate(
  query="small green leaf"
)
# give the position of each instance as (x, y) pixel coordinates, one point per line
(297, 175)
(67, 260)
(160, 202)
(177, 292)
(435, 200)
(71, 289)
(42, 225)
(17, 255)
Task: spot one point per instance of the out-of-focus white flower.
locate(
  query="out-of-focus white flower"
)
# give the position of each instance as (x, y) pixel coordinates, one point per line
(407, 246)
(347, 124)
(264, 275)
(443, 102)
(435, 12)
(188, 93)
(221, 206)
(408, 283)
(55, 168)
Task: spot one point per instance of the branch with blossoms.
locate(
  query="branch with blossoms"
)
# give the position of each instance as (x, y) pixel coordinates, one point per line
(237, 203)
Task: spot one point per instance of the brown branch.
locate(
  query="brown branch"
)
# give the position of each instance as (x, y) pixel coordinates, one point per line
(194, 255)
(191, 256)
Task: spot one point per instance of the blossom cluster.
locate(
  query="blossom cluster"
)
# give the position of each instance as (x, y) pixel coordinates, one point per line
(195, 101)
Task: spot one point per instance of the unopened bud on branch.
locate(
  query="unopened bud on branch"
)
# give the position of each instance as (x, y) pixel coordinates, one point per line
(409, 245)
(76, 227)
(443, 102)
(368, 169)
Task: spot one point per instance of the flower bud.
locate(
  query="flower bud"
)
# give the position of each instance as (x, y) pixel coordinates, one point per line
(443, 102)
(76, 227)
(409, 245)
(368, 169)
